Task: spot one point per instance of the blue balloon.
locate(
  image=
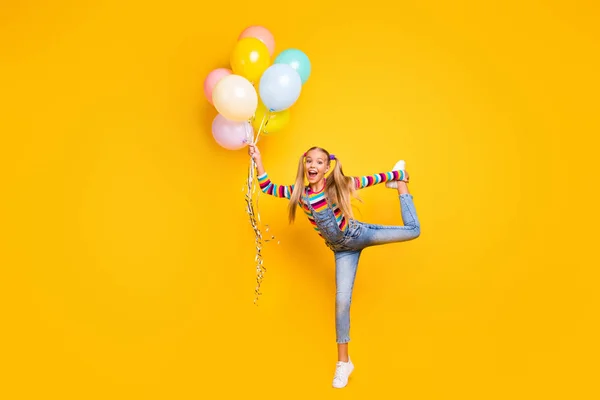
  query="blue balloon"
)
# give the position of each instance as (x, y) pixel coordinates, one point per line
(297, 60)
(279, 87)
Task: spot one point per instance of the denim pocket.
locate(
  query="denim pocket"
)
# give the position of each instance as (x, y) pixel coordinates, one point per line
(353, 230)
(330, 230)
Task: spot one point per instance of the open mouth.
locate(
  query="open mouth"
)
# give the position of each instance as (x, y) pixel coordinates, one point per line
(312, 174)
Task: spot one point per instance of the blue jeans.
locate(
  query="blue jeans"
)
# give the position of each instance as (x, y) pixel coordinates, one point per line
(347, 246)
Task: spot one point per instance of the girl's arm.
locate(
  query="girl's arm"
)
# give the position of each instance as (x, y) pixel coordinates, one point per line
(264, 182)
(255, 154)
(274, 189)
(361, 182)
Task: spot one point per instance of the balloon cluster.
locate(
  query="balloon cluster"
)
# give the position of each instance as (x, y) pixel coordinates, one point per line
(256, 93)
(254, 96)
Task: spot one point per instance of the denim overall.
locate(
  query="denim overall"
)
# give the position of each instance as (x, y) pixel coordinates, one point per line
(335, 238)
(347, 246)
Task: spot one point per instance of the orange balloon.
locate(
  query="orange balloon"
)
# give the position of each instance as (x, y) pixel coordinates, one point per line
(250, 58)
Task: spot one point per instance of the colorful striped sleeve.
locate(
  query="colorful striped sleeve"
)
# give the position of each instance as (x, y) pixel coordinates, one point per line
(371, 180)
(273, 189)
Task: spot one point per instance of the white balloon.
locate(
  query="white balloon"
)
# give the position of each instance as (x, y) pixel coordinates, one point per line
(235, 98)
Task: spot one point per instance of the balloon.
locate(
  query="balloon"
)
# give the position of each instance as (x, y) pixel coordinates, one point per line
(250, 58)
(212, 79)
(261, 33)
(297, 60)
(273, 121)
(231, 135)
(235, 98)
(280, 87)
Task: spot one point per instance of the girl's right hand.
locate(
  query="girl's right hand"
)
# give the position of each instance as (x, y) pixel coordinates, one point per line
(254, 152)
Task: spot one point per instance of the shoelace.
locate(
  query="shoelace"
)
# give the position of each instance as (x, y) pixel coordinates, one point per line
(339, 371)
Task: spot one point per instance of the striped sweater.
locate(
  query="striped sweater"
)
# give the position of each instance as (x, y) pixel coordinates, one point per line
(317, 199)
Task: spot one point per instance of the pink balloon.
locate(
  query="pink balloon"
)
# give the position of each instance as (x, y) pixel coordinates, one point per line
(212, 79)
(231, 135)
(261, 33)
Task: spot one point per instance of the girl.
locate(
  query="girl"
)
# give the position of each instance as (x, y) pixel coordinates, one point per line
(326, 203)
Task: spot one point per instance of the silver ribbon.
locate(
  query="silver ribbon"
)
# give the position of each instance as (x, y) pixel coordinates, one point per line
(251, 198)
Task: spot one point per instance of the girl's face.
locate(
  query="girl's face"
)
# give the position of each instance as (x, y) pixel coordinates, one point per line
(315, 166)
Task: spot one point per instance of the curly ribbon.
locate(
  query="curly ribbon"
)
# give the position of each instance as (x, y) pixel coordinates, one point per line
(254, 217)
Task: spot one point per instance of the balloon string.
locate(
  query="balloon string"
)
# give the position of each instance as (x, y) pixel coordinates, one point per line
(263, 124)
(254, 217)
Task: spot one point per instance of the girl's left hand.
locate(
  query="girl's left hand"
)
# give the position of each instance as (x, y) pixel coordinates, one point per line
(406, 177)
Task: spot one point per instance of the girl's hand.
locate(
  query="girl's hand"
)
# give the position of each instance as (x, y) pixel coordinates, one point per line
(254, 152)
(406, 177)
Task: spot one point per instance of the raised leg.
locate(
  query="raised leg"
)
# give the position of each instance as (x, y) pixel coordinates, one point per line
(373, 235)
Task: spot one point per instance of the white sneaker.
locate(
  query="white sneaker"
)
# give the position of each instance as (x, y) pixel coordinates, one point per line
(400, 165)
(342, 373)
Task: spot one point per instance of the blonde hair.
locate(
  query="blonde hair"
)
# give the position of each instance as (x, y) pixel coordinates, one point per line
(338, 190)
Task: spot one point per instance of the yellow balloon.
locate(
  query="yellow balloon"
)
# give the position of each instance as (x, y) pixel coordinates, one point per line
(250, 58)
(272, 121)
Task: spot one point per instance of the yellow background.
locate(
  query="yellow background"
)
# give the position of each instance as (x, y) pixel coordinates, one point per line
(128, 258)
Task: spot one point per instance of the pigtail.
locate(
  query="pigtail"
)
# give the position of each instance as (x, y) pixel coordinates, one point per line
(340, 188)
(297, 192)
